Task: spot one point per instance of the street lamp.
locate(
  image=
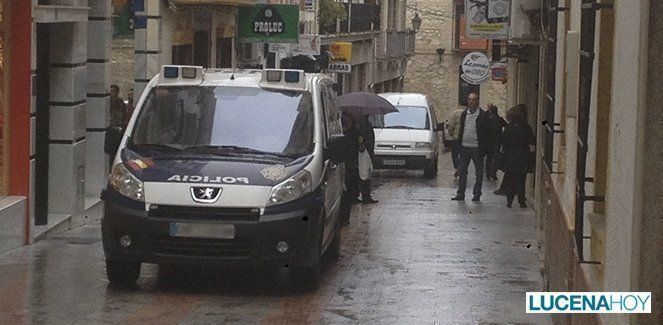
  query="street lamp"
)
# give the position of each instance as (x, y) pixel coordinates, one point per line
(416, 22)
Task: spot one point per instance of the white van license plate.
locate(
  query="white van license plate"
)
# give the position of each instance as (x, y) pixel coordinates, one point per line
(201, 230)
(394, 162)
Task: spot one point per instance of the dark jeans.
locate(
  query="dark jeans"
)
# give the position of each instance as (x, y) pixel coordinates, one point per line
(475, 155)
(514, 184)
(455, 154)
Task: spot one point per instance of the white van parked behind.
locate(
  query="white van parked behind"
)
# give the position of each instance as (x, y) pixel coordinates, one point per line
(407, 139)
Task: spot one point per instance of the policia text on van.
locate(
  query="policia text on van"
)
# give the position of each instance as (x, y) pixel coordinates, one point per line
(219, 166)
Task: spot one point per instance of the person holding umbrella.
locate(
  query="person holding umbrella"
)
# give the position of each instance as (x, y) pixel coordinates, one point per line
(360, 105)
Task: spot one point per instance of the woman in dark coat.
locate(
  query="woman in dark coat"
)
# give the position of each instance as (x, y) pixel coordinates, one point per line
(516, 141)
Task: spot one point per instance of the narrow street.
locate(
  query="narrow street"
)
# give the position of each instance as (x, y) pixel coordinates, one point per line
(414, 257)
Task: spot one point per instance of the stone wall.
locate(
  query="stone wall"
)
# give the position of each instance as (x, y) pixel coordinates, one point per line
(438, 79)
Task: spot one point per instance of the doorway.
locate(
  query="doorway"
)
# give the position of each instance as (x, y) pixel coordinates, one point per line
(42, 125)
(201, 48)
(224, 52)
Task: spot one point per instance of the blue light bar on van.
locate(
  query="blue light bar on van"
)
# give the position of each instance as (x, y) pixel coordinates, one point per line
(291, 76)
(171, 72)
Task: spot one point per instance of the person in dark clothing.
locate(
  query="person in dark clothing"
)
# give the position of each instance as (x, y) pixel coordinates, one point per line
(521, 110)
(368, 134)
(472, 138)
(516, 140)
(118, 110)
(351, 193)
(495, 125)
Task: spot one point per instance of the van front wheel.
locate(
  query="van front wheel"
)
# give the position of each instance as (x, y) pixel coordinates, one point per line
(431, 170)
(122, 273)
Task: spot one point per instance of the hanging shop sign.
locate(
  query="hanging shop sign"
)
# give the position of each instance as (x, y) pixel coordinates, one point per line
(342, 57)
(499, 72)
(476, 68)
(339, 67)
(309, 44)
(269, 23)
(487, 18)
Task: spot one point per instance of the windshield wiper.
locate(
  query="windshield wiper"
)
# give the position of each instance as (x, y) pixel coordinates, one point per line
(399, 127)
(235, 149)
(169, 147)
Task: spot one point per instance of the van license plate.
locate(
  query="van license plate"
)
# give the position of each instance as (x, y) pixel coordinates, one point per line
(202, 230)
(394, 162)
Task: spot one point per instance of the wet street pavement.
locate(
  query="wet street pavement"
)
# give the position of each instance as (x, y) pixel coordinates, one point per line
(414, 257)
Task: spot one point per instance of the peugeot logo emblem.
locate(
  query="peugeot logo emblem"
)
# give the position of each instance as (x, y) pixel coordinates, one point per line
(205, 194)
(393, 146)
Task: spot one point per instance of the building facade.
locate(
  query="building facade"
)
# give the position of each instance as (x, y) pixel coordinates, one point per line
(59, 62)
(440, 47)
(597, 193)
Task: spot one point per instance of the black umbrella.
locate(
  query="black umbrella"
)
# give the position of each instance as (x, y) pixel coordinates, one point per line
(364, 103)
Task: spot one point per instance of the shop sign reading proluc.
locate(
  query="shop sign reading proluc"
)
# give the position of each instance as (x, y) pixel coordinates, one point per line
(476, 68)
(269, 23)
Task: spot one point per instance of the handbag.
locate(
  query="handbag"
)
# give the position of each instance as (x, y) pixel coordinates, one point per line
(365, 165)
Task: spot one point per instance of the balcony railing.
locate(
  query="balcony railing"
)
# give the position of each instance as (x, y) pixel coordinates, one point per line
(362, 17)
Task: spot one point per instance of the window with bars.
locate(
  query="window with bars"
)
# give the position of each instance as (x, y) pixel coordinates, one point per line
(551, 127)
(587, 57)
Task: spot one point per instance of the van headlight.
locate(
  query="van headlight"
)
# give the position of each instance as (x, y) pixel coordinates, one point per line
(123, 181)
(291, 189)
(422, 145)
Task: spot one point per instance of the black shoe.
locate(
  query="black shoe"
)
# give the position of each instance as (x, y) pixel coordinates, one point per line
(499, 192)
(370, 201)
(458, 198)
(476, 198)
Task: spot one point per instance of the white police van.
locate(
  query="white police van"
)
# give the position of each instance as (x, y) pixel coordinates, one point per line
(227, 167)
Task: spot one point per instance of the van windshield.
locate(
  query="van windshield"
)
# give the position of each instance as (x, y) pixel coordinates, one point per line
(254, 120)
(407, 117)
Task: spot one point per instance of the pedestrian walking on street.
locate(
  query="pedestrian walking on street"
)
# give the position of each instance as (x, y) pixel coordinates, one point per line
(351, 193)
(118, 110)
(521, 110)
(367, 141)
(495, 125)
(365, 171)
(453, 127)
(517, 147)
(472, 139)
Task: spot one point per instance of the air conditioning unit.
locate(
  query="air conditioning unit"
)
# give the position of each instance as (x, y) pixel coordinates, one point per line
(523, 13)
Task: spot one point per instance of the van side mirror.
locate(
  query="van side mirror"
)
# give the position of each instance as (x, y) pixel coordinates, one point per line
(439, 127)
(112, 140)
(336, 148)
